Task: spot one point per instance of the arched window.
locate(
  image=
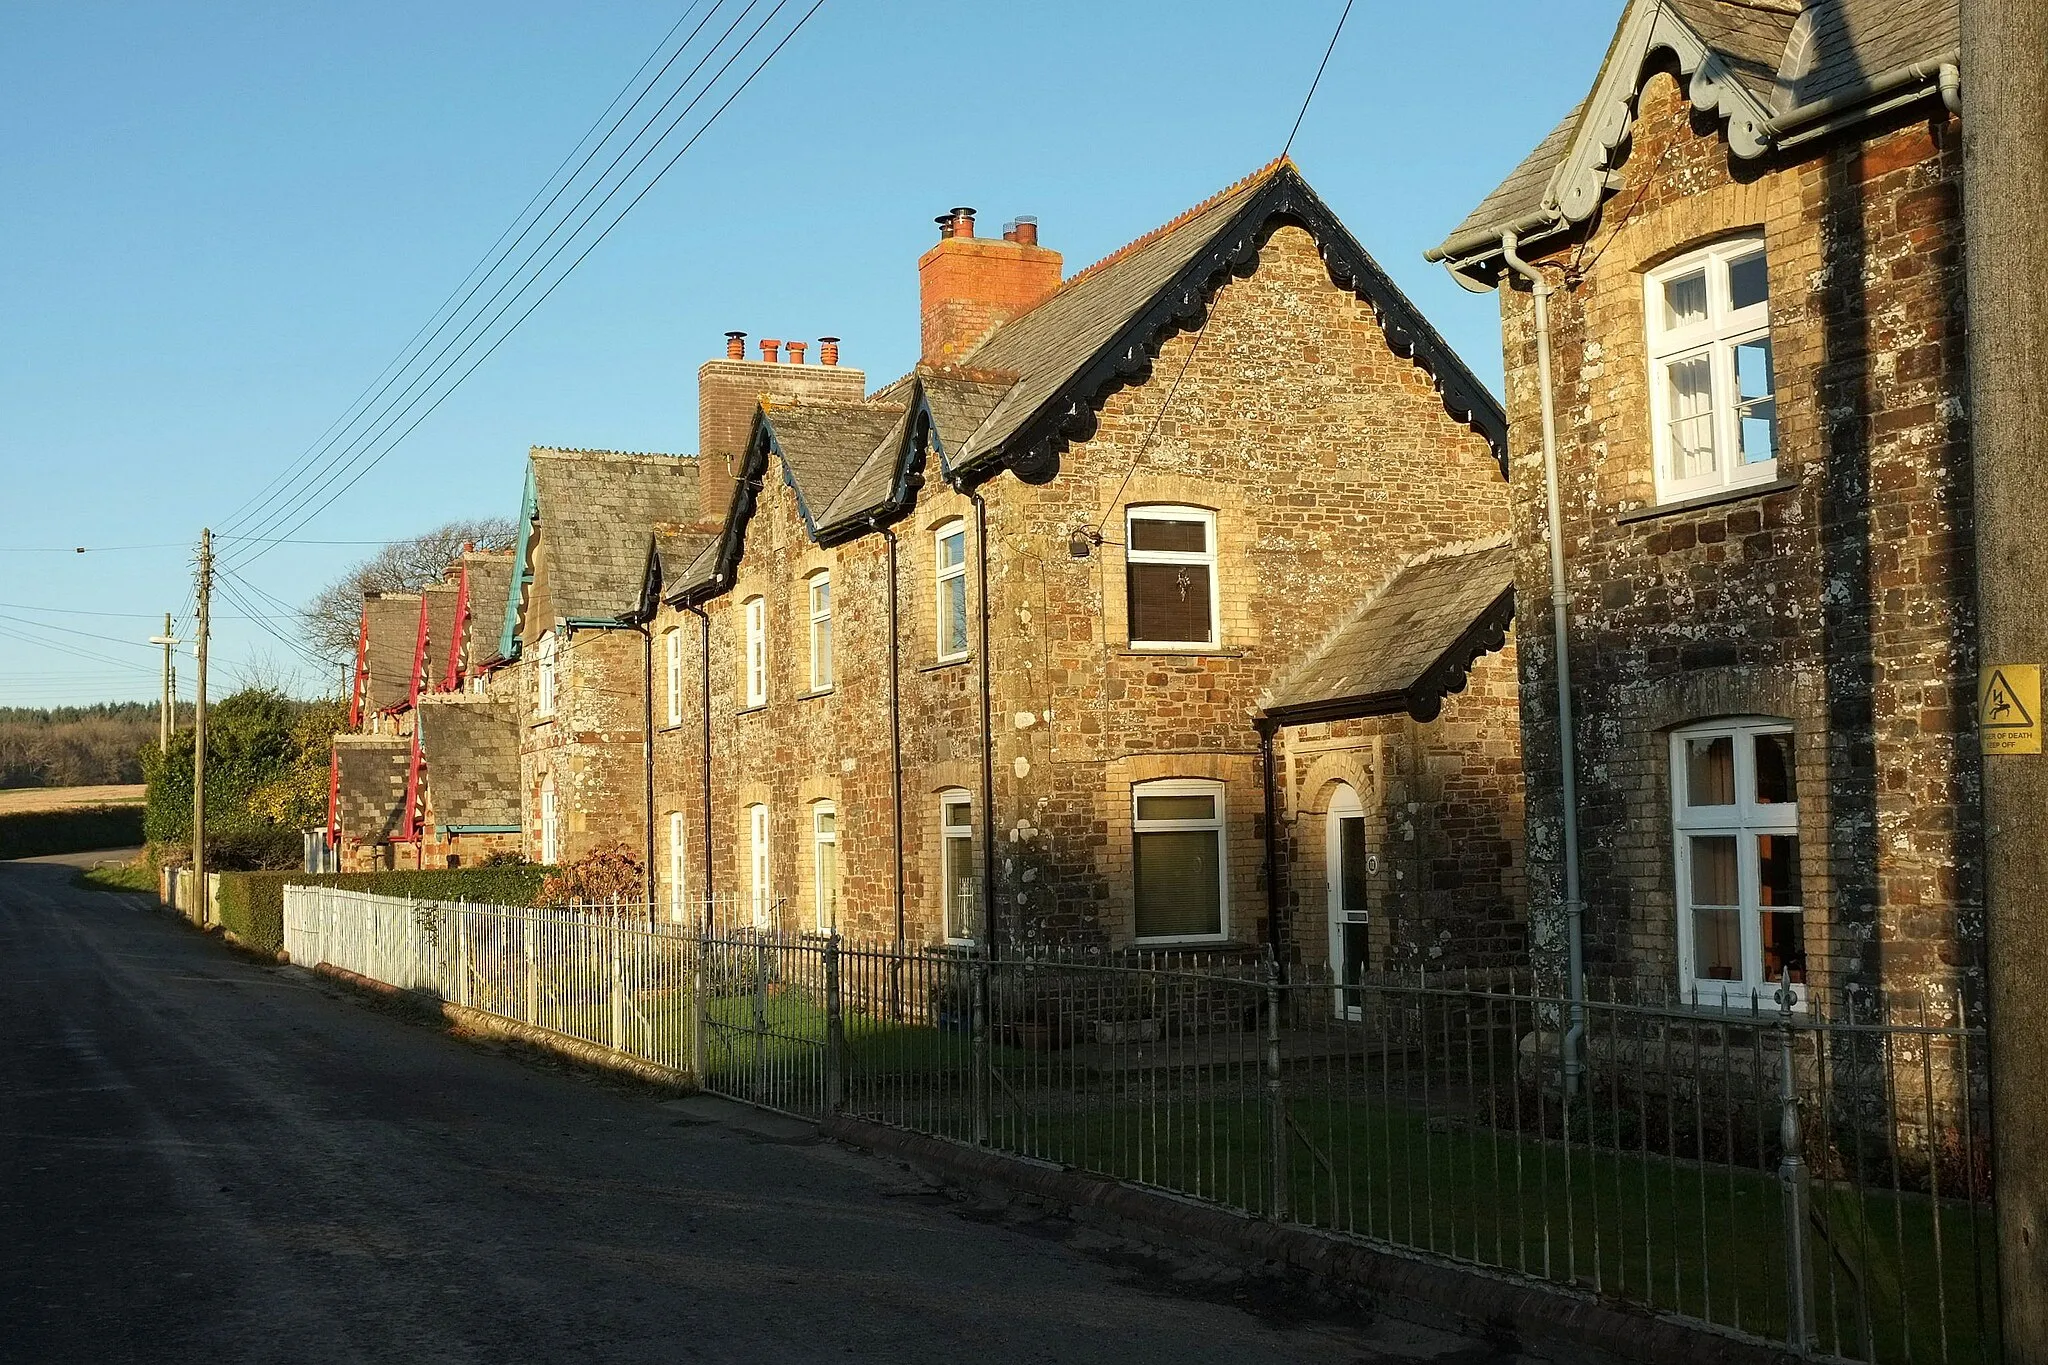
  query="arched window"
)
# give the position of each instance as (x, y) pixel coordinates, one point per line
(1735, 819)
(544, 675)
(1170, 569)
(949, 559)
(1180, 891)
(819, 593)
(825, 866)
(754, 658)
(1713, 402)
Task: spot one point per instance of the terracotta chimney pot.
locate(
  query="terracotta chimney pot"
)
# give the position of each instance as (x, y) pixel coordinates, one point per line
(796, 351)
(828, 350)
(735, 345)
(769, 347)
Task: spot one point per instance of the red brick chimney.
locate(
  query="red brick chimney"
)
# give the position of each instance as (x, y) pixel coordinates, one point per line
(969, 285)
(729, 391)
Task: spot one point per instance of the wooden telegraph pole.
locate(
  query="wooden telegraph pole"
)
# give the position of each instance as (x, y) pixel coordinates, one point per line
(199, 729)
(2005, 183)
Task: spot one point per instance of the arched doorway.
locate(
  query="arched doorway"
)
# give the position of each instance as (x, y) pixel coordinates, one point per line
(1348, 865)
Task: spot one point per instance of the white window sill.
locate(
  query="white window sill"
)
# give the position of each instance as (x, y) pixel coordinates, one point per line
(815, 692)
(751, 707)
(938, 664)
(1135, 650)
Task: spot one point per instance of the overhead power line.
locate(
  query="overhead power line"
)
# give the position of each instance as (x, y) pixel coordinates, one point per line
(486, 266)
(363, 457)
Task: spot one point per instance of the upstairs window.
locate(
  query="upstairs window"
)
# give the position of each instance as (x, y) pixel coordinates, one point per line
(825, 866)
(1736, 832)
(544, 676)
(821, 631)
(1713, 395)
(754, 657)
(950, 557)
(1171, 565)
(957, 882)
(1177, 846)
(672, 649)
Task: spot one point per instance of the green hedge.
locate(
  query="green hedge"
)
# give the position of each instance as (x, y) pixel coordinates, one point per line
(80, 829)
(250, 905)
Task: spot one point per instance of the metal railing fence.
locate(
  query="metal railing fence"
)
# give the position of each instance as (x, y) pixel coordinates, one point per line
(1807, 1171)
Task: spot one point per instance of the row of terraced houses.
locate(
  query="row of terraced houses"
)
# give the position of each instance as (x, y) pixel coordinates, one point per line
(1203, 597)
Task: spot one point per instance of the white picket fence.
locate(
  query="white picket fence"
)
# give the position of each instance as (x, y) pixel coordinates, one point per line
(608, 978)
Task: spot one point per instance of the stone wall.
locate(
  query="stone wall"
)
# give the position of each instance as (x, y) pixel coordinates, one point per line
(1327, 460)
(1839, 599)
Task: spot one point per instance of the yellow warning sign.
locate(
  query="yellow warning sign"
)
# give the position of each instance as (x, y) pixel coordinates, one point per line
(2009, 708)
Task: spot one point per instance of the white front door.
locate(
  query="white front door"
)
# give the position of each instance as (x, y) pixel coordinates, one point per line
(1350, 916)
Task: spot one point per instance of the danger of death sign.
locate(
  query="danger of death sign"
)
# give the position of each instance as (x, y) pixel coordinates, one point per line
(2009, 708)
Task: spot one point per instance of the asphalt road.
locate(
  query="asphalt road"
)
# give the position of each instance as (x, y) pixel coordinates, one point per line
(208, 1158)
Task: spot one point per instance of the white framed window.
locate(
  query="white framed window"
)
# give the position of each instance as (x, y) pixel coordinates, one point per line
(754, 656)
(544, 675)
(550, 824)
(825, 866)
(820, 597)
(672, 653)
(759, 889)
(949, 557)
(1713, 400)
(1170, 573)
(1180, 886)
(958, 885)
(678, 867)
(1735, 819)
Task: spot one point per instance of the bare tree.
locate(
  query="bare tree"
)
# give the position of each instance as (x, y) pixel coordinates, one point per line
(334, 616)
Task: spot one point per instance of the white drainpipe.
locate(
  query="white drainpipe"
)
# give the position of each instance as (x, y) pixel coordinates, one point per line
(1567, 748)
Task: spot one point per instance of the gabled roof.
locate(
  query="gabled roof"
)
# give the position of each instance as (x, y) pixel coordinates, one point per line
(592, 508)
(1757, 65)
(823, 446)
(490, 580)
(371, 784)
(671, 553)
(471, 747)
(393, 625)
(1411, 643)
(437, 605)
(1103, 328)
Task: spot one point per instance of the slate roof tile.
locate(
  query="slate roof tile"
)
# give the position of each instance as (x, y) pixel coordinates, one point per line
(595, 508)
(372, 789)
(1388, 649)
(471, 748)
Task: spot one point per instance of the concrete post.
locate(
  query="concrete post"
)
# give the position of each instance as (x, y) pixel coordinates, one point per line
(2005, 180)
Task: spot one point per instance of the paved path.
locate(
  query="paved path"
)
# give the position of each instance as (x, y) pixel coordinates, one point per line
(207, 1158)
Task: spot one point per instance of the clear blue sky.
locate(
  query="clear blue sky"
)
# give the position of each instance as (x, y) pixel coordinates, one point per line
(220, 221)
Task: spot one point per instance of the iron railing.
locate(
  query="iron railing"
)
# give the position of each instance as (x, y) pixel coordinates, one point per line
(1804, 1170)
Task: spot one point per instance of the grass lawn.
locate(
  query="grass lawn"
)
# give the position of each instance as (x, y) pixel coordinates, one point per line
(1705, 1241)
(135, 876)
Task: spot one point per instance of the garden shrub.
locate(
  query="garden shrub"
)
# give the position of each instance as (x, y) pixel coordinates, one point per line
(79, 829)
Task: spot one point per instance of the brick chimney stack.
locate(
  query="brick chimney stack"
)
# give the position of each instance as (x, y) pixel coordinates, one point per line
(969, 285)
(729, 391)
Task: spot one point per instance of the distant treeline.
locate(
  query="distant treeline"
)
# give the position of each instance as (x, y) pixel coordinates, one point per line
(77, 746)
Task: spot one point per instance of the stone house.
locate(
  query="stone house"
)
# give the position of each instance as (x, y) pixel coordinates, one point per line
(1747, 245)
(1024, 645)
